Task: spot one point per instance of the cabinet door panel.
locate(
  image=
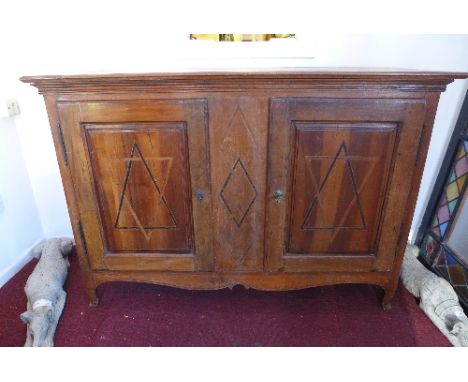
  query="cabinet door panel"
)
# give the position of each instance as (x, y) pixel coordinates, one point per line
(338, 174)
(342, 168)
(134, 166)
(142, 182)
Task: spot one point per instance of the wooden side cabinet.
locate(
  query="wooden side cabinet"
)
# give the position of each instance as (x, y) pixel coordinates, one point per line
(272, 180)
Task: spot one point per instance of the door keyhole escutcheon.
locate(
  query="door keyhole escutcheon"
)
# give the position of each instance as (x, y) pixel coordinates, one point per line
(278, 195)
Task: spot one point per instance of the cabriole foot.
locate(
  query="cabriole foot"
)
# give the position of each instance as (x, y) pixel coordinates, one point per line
(387, 298)
(92, 296)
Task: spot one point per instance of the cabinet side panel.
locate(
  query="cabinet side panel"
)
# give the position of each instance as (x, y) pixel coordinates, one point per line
(399, 194)
(432, 100)
(90, 230)
(51, 104)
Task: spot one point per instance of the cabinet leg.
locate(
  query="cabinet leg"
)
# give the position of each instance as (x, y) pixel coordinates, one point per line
(387, 298)
(93, 297)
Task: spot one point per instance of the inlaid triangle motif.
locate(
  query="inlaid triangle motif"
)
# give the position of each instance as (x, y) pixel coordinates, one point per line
(336, 203)
(142, 204)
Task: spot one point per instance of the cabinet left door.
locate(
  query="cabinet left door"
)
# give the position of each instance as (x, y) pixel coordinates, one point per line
(140, 173)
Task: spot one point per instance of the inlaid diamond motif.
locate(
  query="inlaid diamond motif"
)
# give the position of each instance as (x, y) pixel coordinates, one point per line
(238, 192)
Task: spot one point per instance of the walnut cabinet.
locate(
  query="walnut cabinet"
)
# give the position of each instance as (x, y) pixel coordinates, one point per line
(272, 180)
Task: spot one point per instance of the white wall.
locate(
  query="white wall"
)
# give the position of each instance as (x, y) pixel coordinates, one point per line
(79, 41)
(20, 226)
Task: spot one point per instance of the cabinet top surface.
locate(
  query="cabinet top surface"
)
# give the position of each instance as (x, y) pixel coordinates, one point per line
(251, 78)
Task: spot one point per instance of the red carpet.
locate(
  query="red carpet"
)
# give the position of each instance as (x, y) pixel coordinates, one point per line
(148, 315)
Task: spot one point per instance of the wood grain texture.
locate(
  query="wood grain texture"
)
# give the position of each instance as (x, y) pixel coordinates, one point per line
(432, 100)
(338, 177)
(345, 150)
(260, 281)
(143, 186)
(135, 165)
(238, 136)
(239, 81)
(309, 137)
(70, 195)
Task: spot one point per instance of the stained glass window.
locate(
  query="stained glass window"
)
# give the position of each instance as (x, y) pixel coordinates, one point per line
(434, 248)
(450, 197)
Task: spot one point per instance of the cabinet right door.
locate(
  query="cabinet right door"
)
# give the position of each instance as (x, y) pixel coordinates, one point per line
(339, 176)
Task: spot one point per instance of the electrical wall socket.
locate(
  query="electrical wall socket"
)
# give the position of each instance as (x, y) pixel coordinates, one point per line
(12, 107)
(9, 107)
